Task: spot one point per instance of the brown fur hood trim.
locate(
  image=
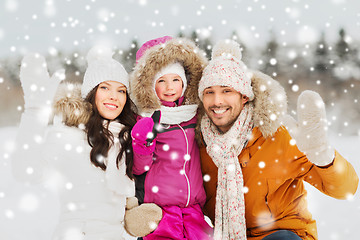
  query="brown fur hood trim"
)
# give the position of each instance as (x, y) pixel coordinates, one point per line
(70, 106)
(179, 50)
(270, 104)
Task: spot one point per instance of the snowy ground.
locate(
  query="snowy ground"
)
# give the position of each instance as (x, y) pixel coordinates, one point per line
(30, 212)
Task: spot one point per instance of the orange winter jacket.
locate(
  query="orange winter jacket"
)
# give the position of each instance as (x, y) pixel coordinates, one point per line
(274, 171)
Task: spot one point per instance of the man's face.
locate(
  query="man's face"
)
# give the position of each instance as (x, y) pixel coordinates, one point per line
(223, 105)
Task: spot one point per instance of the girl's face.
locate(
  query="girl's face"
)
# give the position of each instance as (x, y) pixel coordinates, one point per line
(110, 99)
(169, 87)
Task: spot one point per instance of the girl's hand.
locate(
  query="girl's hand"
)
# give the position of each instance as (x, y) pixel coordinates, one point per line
(144, 134)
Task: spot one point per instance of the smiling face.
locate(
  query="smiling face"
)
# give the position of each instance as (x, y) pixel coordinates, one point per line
(223, 105)
(169, 87)
(110, 99)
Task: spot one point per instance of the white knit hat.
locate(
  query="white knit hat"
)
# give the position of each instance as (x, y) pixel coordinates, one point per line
(102, 67)
(227, 69)
(175, 68)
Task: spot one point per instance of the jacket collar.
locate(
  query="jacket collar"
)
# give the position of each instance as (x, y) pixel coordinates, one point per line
(173, 104)
(255, 135)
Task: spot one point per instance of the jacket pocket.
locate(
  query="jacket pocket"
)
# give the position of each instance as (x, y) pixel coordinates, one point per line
(279, 195)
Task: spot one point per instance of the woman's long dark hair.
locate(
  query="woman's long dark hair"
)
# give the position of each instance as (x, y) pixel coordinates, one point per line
(101, 139)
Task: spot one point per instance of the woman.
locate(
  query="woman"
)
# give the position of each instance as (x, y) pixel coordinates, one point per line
(86, 154)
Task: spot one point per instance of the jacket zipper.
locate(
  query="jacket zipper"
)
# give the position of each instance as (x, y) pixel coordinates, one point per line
(186, 158)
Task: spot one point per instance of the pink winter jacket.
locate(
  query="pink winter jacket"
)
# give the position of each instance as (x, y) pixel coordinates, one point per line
(171, 180)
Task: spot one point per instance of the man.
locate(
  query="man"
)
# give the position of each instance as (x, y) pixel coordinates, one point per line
(253, 166)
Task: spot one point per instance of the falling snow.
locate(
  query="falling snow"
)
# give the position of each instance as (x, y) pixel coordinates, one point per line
(20, 204)
(295, 25)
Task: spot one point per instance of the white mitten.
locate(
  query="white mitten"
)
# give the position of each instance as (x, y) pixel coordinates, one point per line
(310, 132)
(39, 89)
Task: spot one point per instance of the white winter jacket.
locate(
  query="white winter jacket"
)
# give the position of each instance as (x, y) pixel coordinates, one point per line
(92, 201)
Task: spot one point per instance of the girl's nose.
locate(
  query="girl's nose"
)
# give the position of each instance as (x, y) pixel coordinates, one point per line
(169, 86)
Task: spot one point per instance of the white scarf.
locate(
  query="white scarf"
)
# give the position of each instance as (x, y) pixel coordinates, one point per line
(175, 115)
(224, 150)
(116, 178)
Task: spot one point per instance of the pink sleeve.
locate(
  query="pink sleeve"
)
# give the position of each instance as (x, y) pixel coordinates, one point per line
(142, 163)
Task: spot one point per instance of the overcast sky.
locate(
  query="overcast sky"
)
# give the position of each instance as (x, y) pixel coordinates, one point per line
(47, 26)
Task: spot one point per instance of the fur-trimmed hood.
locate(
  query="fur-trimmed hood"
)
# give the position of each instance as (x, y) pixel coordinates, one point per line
(70, 106)
(179, 50)
(270, 104)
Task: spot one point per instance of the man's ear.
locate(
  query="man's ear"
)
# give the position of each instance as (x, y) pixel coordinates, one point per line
(244, 99)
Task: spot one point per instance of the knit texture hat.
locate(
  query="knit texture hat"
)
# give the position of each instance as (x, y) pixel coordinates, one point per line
(174, 68)
(150, 44)
(227, 69)
(102, 67)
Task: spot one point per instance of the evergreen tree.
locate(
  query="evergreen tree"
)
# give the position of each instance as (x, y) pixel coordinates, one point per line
(206, 45)
(128, 58)
(181, 34)
(270, 53)
(195, 37)
(322, 58)
(345, 66)
(342, 48)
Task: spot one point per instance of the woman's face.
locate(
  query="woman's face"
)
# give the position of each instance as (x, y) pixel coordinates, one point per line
(110, 99)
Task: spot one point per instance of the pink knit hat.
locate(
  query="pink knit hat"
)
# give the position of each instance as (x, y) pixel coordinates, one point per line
(150, 44)
(227, 69)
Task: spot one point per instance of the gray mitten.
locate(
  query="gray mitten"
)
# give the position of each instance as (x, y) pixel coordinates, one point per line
(142, 220)
(131, 202)
(310, 131)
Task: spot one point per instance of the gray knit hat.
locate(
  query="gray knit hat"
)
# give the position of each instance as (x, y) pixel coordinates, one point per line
(102, 67)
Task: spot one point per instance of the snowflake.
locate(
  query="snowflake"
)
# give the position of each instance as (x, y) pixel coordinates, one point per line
(166, 147)
(261, 164)
(29, 202)
(69, 186)
(71, 206)
(174, 155)
(295, 88)
(153, 225)
(11, 5)
(206, 178)
(155, 189)
(9, 214)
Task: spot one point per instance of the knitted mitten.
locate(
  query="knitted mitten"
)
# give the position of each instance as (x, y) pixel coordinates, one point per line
(39, 88)
(141, 220)
(310, 131)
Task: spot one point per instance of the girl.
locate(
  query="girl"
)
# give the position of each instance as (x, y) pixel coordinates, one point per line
(86, 154)
(166, 155)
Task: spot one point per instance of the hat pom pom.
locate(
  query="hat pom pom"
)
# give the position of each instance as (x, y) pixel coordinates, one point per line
(226, 47)
(98, 53)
